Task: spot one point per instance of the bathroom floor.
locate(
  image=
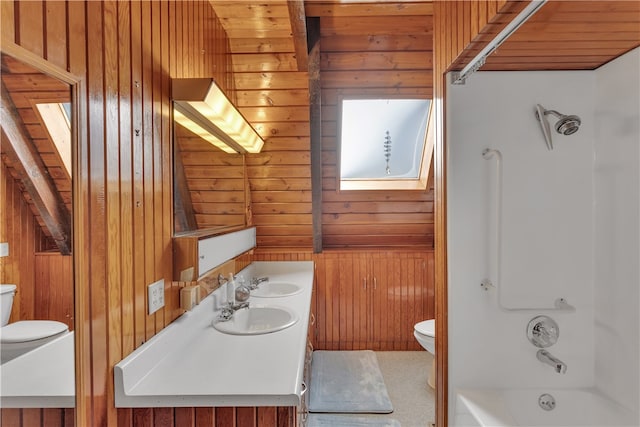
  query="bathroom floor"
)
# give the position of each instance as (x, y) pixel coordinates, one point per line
(405, 375)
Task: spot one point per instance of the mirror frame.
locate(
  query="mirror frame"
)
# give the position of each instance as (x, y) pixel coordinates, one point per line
(78, 183)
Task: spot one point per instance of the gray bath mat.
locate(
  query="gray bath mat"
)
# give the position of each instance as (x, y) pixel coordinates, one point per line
(347, 382)
(331, 420)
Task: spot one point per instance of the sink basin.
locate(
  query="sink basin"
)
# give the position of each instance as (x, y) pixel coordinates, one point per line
(275, 289)
(257, 320)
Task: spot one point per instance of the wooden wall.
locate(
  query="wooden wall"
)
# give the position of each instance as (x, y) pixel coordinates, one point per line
(216, 182)
(21, 230)
(396, 61)
(279, 176)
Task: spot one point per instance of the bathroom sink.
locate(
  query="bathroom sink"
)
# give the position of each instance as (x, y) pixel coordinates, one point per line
(257, 320)
(275, 289)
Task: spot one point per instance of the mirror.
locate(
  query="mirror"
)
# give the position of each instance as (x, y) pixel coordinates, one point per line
(38, 140)
(210, 186)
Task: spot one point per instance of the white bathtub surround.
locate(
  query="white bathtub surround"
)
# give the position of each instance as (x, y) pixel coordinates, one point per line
(570, 230)
(546, 231)
(519, 407)
(617, 227)
(41, 378)
(189, 363)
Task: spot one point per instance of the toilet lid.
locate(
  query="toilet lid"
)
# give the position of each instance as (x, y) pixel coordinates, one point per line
(427, 327)
(30, 330)
(5, 289)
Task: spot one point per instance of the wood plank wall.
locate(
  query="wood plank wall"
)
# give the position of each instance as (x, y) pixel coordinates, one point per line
(125, 54)
(216, 181)
(21, 230)
(280, 176)
(396, 61)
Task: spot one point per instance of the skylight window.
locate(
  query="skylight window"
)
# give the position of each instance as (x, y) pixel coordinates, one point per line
(384, 144)
(57, 120)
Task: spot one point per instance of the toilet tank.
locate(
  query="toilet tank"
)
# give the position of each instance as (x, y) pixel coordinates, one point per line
(6, 301)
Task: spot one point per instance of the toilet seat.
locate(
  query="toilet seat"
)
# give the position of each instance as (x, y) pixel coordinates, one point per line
(426, 327)
(30, 330)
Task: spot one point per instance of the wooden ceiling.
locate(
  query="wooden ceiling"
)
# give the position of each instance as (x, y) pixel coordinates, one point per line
(28, 151)
(562, 35)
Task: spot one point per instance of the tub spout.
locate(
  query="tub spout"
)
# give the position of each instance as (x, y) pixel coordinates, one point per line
(545, 357)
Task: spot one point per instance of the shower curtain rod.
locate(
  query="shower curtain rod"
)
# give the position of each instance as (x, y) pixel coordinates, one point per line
(479, 60)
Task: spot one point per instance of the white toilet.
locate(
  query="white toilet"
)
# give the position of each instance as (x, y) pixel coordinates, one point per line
(425, 333)
(20, 337)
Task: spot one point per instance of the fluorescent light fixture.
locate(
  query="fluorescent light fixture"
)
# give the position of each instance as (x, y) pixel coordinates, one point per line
(202, 107)
(479, 60)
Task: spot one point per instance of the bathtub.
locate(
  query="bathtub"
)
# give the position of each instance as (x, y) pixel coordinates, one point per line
(519, 407)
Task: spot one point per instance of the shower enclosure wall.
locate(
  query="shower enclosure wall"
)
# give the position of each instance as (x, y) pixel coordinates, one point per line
(570, 228)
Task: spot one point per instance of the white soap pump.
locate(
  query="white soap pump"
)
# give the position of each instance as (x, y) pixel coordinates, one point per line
(231, 288)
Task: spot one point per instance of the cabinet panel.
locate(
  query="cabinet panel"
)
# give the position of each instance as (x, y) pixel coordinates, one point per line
(372, 299)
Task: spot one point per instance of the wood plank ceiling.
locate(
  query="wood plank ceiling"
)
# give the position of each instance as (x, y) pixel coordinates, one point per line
(25, 88)
(562, 35)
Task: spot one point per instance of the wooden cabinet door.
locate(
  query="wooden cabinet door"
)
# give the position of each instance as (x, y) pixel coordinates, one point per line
(401, 296)
(342, 303)
(372, 300)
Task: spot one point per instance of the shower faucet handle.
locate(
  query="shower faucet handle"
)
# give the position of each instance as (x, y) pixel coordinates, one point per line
(543, 331)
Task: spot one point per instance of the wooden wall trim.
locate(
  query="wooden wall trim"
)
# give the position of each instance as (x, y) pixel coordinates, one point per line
(299, 32)
(315, 118)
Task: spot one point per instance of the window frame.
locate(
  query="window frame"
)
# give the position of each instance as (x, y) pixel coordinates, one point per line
(372, 184)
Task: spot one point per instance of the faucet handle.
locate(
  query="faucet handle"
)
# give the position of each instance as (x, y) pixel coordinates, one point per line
(543, 331)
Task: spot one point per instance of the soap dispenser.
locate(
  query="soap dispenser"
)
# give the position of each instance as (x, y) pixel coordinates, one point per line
(243, 292)
(231, 288)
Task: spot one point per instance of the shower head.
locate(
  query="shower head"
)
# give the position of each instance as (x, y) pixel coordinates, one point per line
(566, 125)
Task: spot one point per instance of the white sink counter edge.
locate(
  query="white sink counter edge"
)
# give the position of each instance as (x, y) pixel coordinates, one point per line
(190, 363)
(41, 378)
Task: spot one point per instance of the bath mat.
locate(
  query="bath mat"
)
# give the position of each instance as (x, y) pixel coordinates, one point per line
(347, 382)
(331, 420)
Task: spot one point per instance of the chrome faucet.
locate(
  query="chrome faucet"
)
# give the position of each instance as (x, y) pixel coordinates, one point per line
(227, 312)
(256, 281)
(545, 357)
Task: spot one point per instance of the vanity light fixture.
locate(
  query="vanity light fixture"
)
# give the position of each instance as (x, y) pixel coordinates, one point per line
(202, 107)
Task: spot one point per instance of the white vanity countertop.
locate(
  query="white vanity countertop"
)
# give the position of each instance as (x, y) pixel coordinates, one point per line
(41, 378)
(189, 363)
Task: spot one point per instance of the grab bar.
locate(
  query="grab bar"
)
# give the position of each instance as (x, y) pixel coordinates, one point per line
(560, 304)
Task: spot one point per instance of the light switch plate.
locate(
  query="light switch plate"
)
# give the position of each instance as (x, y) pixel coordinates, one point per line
(4, 249)
(156, 296)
